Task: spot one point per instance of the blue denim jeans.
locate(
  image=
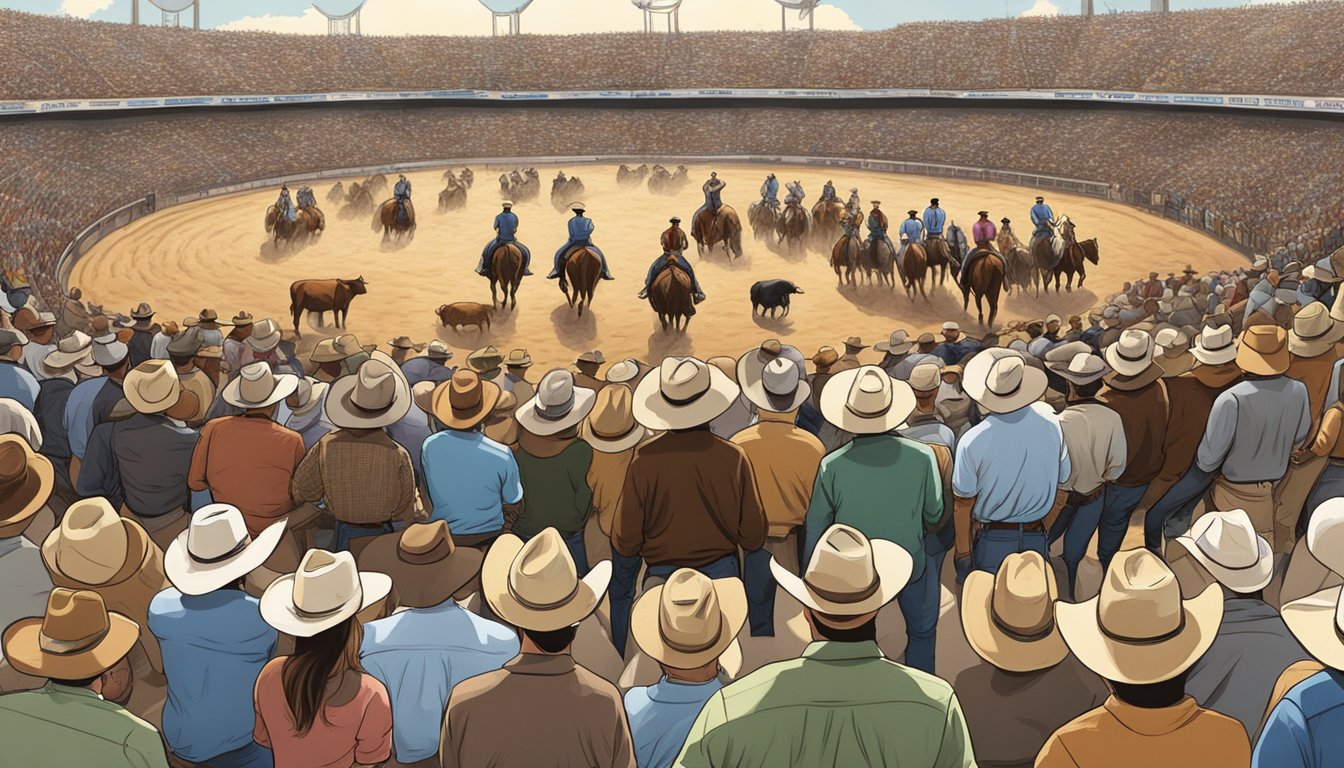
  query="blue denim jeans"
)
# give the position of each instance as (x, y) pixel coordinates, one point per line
(1119, 504)
(251, 756)
(625, 570)
(993, 545)
(1078, 535)
(760, 584)
(346, 532)
(919, 603)
(578, 551)
(1173, 511)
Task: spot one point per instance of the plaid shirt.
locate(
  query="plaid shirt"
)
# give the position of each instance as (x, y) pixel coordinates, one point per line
(363, 476)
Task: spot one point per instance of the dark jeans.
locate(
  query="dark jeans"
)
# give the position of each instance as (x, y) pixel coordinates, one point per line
(578, 551)
(346, 532)
(1078, 534)
(251, 756)
(995, 544)
(1173, 511)
(920, 601)
(760, 584)
(622, 592)
(1120, 501)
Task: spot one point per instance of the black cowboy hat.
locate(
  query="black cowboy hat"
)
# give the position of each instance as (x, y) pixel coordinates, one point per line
(913, 212)
(1005, 220)
(982, 213)
(1040, 199)
(933, 201)
(675, 220)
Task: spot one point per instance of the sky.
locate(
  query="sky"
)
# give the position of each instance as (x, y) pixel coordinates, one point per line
(469, 17)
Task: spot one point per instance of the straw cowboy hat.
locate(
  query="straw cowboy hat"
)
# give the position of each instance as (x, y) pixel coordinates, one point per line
(1215, 345)
(866, 401)
(611, 426)
(424, 563)
(76, 639)
(26, 480)
(265, 336)
(501, 425)
(849, 576)
(1264, 350)
(257, 387)
(1314, 332)
(518, 358)
(94, 545)
(1132, 354)
(464, 401)
(825, 357)
(557, 406)
(404, 342)
(1140, 630)
(1009, 617)
(1317, 620)
(326, 590)
(1226, 544)
(437, 350)
(683, 393)
(771, 381)
(535, 585)
(216, 550)
(898, 343)
(1000, 380)
(623, 371)
(926, 377)
(484, 360)
(73, 350)
(376, 396)
(342, 347)
(690, 620)
(242, 318)
(153, 387)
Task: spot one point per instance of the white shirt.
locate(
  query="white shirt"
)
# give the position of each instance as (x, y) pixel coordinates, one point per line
(1095, 438)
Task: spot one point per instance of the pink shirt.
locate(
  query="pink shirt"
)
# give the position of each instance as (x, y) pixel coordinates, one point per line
(359, 731)
(983, 230)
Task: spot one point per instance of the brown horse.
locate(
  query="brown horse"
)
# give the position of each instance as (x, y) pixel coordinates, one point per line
(670, 297)
(985, 281)
(763, 218)
(453, 197)
(506, 271)
(1019, 268)
(710, 229)
(1076, 256)
(880, 260)
(939, 255)
(282, 229)
(828, 218)
(845, 255)
(915, 265)
(390, 222)
(791, 227)
(583, 270)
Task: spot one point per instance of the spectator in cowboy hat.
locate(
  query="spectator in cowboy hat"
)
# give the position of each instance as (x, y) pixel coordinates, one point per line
(689, 625)
(432, 367)
(183, 353)
(24, 519)
(92, 400)
(326, 710)
(40, 330)
(1026, 684)
(572, 715)
(158, 349)
(516, 364)
(502, 426)
(587, 368)
(809, 416)
(1173, 354)
(233, 343)
(74, 316)
(613, 433)
(141, 343)
(16, 382)
(1142, 635)
(850, 360)
(63, 366)
(907, 716)
(422, 652)
(402, 347)
(925, 424)
(307, 411)
(741, 414)
(486, 362)
(212, 333)
(894, 349)
(263, 345)
(213, 638)
(338, 357)
(954, 346)
(81, 647)
(624, 371)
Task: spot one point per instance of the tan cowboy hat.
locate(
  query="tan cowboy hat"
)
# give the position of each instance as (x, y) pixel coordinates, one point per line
(342, 347)
(257, 387)
(242, 318)
(265, 336)
(1000, 380)
(518, 358)
(682, 394)
(1317, 621)
(1314, 332)
(848, 577)
(142, 311)
(26, 480)
(611, 426)
(690, 620)
(500, 425)
(772, 381)
(425, 565)
(1215, 345)
(825, 357)
(1131, 354)
(326, 590)
(535, 585)
(437, 350)
(866, 401)
(152, 387)
(1228, 547)
(1009, 617)
(1264, 350)
(926, 377)
(74, 349)
(464, 401)
(1140, 630)
(557, 406)
(404, 342)
(216, 550)
(898, 343)
(484, 360)
(376, 396)
(76, 639)
(622, 371)
(28, 320)
(94, 545)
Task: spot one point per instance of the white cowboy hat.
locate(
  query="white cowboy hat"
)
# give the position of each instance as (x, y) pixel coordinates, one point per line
(1314, 332)
(849, 576)
(898, 343)
(265, 335)
(866, 401)
(926, 377)
(1131, 354)
(108, 351)
(557, 406)
(535, 585)
(683, 393)
(1140, 630)
(611, 426)
(691, 620)
(216, 550)
(257, 387)
(623, 371)
(326, 590)
(71, 350)
(1215, 345)
(772, 381)
(1082, 369)
(1009, 617)
(1226, 544)
(376, 396)
(1317, 620)
(1000, 380)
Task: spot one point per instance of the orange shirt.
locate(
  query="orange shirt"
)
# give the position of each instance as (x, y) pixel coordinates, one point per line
(247, 461)
(359, 731)
(1120, 735)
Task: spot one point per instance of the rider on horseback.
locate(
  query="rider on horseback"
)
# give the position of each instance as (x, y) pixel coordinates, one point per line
(795, 192)
(285, 205)
(580, 234)
(1043, 218)
(854, 205)
(828, 193)
(713, 189)
(506, 225)
(770, 191)
(934, 217)
(402, 194)
(983, 233)
(877, 233)
(305, 198)
(912, 230)
(674, 242)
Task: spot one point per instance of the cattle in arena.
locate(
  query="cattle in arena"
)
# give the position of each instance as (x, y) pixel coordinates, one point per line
(465, 313)
(772, 295)
(330, 295)
(626, 177)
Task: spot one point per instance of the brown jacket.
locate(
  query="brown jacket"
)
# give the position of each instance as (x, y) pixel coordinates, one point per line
(1191, 397)
(784, 460)
(1314, 372)
(606, 476)
(1119, 735)
(1144, 412)
(363, 475)
(674, 239)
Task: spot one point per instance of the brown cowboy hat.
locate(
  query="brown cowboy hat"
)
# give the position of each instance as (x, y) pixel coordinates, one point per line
(94, 545)
(464, 401)
(76, 639)
(1264, 350)
(426, 567)
(25, 484)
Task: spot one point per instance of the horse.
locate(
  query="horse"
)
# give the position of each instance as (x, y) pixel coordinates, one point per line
(827, 220)
(337, 194)
(957, 244)
(792, 225)
(1019, 268)
(1047, 251)
(281, 228)
(664, 183)
(377, 184)
(1076, 256)
(985, 281)
(358, 200)
(467, 177)
(631, 178)
(506, 270)
(845, 255)
(711, 228)
(578, 281)
(915, 265)
(670, 298)
(763, 218)
(453, 197)
(563, 193)
(390, 222)
(314, 218)
(880, 259)
(938, 254)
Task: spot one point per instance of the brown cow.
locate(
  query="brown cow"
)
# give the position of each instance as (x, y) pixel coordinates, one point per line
(321, 296)
(465, 313)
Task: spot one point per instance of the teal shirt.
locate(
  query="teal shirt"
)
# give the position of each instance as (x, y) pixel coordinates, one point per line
(60, 725)
(886, 486)
(840, 704)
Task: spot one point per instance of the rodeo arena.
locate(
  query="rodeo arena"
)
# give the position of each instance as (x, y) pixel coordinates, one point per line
(850, 399)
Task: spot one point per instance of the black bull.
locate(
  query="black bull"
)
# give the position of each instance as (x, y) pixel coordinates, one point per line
(772, 295)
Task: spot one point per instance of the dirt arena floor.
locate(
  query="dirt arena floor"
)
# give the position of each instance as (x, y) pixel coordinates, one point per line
(215, 253)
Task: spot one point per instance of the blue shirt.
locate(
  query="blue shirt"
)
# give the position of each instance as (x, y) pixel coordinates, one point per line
(933, 220)
(419, 654)
(18, 383)
(79, 413)
(661, 716)
(951, 352)
(507, 224)
(1306, 727)
(580, 229)
(1041, 215)
(402, 189)
(1012, 464)
(214, 645)
(912, 231)
(410, 433)
(419, 369)
(470, 478)
(771, 189)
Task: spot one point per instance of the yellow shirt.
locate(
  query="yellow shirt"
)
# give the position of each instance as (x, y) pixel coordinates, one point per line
(784, 459)
(1120, 735)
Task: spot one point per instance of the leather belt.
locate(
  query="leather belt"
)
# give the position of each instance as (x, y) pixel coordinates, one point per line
(1038, 525)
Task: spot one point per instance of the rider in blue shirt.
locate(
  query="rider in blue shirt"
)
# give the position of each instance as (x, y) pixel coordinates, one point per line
(1042, 217)
(580, 233)
(934, 217)
(506, 228)
(828, 191)
(770, 191)
(912, 230)
(402, 194)
(286, 205)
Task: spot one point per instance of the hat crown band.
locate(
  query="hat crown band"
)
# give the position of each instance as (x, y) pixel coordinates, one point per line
(215, 536)
(1140, 601)
(1021, 604)
(376, 389)
(842, 568)
(1229, 545)
(870, 395)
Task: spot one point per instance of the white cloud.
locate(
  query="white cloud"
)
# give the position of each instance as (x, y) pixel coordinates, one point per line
(83, 8)
(1042, 8)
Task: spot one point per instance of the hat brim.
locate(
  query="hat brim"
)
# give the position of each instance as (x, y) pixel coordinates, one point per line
(85, 570)
(1317, 346)
(421, 585)
(1242, 580)
(530, 420)
(1127, 367)
(191, 577)
(1258, 364)
(1130, 383)
(656, 413)
(1141, 663)
(973, 382)
(1311, 619)
(263, 343)
(750, 370)
(285, 384)
(495, 588)
(1214, 357)
(24, 652)
(732, 617)
(57, 360)
(343, 413)
(893, 565)
(993, 644)
(278, 609)
(612, 445)
(899, 349)
(1062, 370)
(441, 407)
(23, 502)
(835, 400)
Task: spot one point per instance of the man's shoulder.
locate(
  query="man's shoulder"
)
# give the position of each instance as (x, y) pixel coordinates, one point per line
(1317, 695)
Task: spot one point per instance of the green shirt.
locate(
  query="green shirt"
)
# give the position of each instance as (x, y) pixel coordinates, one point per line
(555, 490)
(886, 486)
(840, 704)
(59, 725)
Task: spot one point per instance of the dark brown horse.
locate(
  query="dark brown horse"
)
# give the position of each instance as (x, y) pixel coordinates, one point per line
(792, 226)
(390, 222)
(915, 265)
(583, 270)
(764, 218)
(1076, 256)
(670, 297)
(985, 281)
(282, 229)
(845, 256)
(938, 253)
(710, 229)
(506, 271)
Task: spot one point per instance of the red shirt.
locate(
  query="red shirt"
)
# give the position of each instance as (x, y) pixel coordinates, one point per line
(247, 461)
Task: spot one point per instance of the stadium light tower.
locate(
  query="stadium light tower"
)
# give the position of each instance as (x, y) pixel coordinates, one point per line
(669, 8)
(343, 24)
(805, 10)
(511, 11)
(172, 11)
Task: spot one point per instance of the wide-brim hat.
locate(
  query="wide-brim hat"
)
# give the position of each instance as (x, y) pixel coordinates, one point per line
(1132, 353)
(216, 550)
(866, 401)
(404, 342)
(622, 371)
(1000, 381)
(1009, 619)
(375, 396)
(1226, 544)
(849, 575)
(326, 589)
(690, 620)
(1081, 369)
(1263, 350)
(898, 343)
(683, 393)
(26, 481)
(1215, 345)
(74, 349)
(485, 359)
(152, 387)
(1315, 620)
(534, 585)
(94, 545)
(265, 336)
(1314, 332)
(256, 386)
(142, 312)
(77, 638)
(771, 381)
(558, 405)
(518, 358)
(425, 564)
(611, 426)
(463, 401)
